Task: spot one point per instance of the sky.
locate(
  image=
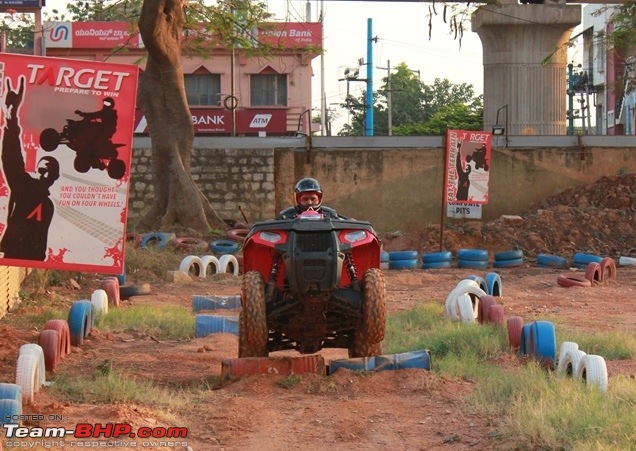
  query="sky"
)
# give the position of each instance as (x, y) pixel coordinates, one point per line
(402, 33)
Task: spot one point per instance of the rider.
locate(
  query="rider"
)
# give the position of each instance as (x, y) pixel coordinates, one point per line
(106, 118)
(308, 197)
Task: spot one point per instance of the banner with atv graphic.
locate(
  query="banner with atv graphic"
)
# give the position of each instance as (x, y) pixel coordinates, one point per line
(66, 146)
(467, 167)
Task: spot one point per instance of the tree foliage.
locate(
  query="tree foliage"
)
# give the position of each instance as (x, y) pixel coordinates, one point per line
(417, 108)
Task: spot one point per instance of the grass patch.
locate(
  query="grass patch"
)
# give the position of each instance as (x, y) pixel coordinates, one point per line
(162, 323)
(288, 382)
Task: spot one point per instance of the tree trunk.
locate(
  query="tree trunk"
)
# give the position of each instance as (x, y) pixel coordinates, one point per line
(162, 97)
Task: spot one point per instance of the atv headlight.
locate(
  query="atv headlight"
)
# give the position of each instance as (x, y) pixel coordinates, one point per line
(354, 237)
(270, 237)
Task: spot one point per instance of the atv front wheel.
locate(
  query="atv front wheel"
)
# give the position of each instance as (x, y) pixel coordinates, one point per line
(253, 332)
(49, 139)
(116, 169)
(370, 333)
(82, 164)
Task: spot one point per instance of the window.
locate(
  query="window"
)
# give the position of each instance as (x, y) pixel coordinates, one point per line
(268, 90)
(203, 89)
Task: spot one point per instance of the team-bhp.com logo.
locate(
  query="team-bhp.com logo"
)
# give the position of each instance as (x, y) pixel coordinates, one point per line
(143, 436)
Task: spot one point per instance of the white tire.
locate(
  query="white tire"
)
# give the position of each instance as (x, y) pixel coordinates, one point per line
(35, 349)
(565, 347)
(191, 265)
(593, 370)
(465, 307)
(28, 375)
(210, 266)
(99, 299)
(569, 363)
(462, 288)
(228, 263)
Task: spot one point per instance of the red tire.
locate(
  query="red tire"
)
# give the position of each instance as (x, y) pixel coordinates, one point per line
(50, 342)
(515, 324)
(573, 280)
(238, 235)
(111, 287)
(496, 314)
(485, 302)
(195, 245)
(593, 273)
(61, 326)
(608, 269)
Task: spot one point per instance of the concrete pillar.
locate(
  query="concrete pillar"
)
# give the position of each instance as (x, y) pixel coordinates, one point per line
(525, 59)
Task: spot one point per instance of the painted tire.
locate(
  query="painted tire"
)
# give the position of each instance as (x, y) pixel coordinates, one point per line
(28, 375)
(10, 391)
(9, 410)
(238, 235)
(515, 254)
(474, 264)
(514, 326)
(565, 347)
(156, 239)
(403, 255)
(608, 269)
(543, 343)
(593, 273)
(485, 302)
(508, 263)
(79, 322)
(496, 314)
(573, 280)
(404, 264)
(35, 349)
(472, 255)
(551, 261)
(626, 261)
(111, 287)
(222, 247)
(61, 325)
(196, 245)
(570, 363)
(191, 265)
(480, 281)
(465, 288)
(524, 339)
(99, 299)
(593, 370)
(215, 302)
(50, 341)
(584, 259)
(436, 265)
(210, 266)
(228, 264)
(384, 256)
(435, 257)
(214, 324)
(493, 284)
(134, 289)
(465, 308)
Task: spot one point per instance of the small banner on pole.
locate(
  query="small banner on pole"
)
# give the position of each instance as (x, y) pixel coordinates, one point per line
(66, 147)
(467, 167)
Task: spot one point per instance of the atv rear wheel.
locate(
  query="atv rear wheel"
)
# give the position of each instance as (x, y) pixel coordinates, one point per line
(116, 169)
(49, 139)
(253, 332)
(367, 339)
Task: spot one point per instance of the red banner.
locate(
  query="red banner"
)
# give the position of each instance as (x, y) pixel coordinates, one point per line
(467, 166)
(66, 150)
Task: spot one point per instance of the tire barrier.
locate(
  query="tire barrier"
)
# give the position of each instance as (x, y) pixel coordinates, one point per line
(551, 261)
(437, 265)
(626, 261)
(472, 258)
(10, 410)
(228, 264)
(581, 260)
(567, 359)
(593, 273)
(435, 260)
(134, 289)
(508, 259)
(99, 299)
(496, 314)
(608, 269)
(592, 369)
(238, 235)
(29, 375)
(215, 302)
(480, 281)
(384, 260)
(192, 265)
(494, 286)
(403, 260)
(538, 341)
(10, 391)
(214, 324)
(223, 247)
(465, 286)
(35, 349)
(572, 280)
(111, 286)
(465, 309)
(189, 244)
(80, 321)
(61, 326)
(156, 239)
(485, 302)
(210, 265)
(514, 325)
(413, 359)
(50, 341)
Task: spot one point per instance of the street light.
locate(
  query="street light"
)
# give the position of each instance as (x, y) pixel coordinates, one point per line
(499, 130)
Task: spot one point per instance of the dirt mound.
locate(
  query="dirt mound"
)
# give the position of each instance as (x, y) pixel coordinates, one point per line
(599, 218)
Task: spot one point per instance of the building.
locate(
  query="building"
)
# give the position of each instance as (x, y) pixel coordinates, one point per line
(229, 93)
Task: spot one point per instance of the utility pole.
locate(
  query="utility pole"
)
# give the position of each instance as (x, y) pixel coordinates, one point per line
(368, 129)
(389, 95)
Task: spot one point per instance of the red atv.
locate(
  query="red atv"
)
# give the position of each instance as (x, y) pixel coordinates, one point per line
(91, 152)
(312, 283)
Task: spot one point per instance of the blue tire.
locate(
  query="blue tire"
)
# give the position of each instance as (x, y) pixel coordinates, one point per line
(472, 255)
(214, 324)
(79, 321)
(514, 254)
(10, 411)
(480, 280)
(543, 343)
(223, 247)
(404, 264)
(507, 263)
(551, 261)
(494, 286)
(477, 264)
(524, 340)
(436, 265)
(384, 256)
(435, 257)
(215, 302)
(403, 255)
(584, 259)
(157, 239)
(10, 391)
